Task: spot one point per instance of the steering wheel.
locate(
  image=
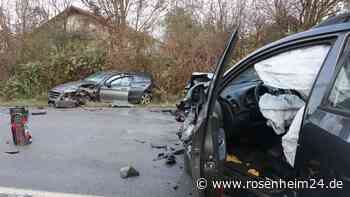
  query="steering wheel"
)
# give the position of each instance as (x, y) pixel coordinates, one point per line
(260, 89)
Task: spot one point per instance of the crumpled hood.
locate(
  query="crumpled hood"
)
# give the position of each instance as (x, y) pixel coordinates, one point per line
(70, 86)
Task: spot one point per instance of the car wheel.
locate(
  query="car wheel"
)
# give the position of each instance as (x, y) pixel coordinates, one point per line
(146, 99)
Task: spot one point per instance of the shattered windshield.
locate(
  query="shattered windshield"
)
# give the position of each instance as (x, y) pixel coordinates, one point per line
(97, 77)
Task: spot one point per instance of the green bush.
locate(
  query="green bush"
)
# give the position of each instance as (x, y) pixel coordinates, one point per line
(32, 80)
(73, 64)
(26, 81)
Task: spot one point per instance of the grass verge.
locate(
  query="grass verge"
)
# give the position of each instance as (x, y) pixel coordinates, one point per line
(24, 102)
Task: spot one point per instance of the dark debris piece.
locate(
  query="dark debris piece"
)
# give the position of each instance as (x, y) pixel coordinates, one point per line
(159, 146)
(12, 152)
(170, 111)
(38, 113)
(66, 104)
(140, 141)
(171, 160)
(161, 155)
(172, 153)
(179, 134)
(179, 151)
(128, 171)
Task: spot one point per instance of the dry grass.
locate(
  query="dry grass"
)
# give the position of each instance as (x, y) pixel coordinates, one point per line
(24, 102)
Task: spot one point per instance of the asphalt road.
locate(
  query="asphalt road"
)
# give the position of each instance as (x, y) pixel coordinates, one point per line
(81, 152)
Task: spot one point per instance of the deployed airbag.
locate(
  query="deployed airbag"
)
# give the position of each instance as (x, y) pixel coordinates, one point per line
(292, 70)
(290, 140)
(295, 69)
(280, 110)
(284, 113)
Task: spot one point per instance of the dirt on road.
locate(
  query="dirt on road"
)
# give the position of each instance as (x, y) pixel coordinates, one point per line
(80, 152)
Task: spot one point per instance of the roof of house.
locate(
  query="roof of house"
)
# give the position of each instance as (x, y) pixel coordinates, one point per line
(97, 18)
(75, 10)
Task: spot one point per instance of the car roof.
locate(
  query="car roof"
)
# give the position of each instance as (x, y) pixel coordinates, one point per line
(141, 74)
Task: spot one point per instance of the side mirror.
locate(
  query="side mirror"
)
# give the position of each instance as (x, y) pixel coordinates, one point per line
(108, 85)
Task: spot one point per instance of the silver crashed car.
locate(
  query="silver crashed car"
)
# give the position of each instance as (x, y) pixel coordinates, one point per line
(107, 86)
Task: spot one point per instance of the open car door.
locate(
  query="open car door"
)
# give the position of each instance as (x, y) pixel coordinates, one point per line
(205, 157)
(116, 90)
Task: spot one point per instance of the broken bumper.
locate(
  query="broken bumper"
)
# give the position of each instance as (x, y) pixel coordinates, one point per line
(61, 99)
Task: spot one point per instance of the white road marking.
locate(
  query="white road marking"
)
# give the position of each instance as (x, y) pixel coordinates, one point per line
(38, 193)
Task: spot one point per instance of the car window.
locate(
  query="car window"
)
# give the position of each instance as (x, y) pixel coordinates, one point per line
(125, 81)
(139, 79)
(279, 71)
(246, 76)
(294, 69)
(112, 78)
(340, 93)
(97, 77)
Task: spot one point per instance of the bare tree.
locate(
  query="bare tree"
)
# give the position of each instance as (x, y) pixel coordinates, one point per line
(311, 11)
(29, 15)
(7, 43)
(59, 5)
(295, 15)
(129, 23)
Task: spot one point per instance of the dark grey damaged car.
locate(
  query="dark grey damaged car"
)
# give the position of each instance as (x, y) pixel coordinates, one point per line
(234, 138)
(108, 86)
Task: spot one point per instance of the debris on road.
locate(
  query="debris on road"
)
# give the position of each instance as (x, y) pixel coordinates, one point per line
(169, 155)
(159, 146)
(161, 155)
(39, 112)
(128, 171)
(171, 160)
(172, 151)
(66, 103)
(140, 141)
(170, 111)
(121, 104)
(179, 151)
(12, 152)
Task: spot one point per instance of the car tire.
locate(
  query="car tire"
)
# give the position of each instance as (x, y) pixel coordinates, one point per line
(146, 99)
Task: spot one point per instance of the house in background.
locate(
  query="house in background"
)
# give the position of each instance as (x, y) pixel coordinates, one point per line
(93, 27)
(77, 20)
